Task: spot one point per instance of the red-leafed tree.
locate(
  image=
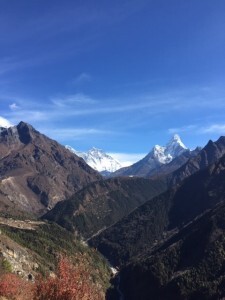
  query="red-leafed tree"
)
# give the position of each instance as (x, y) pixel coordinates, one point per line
(14, 288)
(69, 283)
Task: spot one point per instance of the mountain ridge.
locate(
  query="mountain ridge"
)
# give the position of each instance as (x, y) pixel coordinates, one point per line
(165, 212)
(189, 265)
(103, 203)
(36, 172)
(157, 157)
(98, 160)
(168, 242)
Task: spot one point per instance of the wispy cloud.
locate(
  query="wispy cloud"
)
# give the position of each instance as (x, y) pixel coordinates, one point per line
(127, 159)
(106, 116)
(9, 64)
(65, 133)
(27, 115)
(70, 100)
(13, 64)
(214, 128)
(69, 106)
(199, 129)
(64, 107)
(76, 133)
(70, 17)
(50, 27)
(82, 78)
(14, 106)
(188, 128)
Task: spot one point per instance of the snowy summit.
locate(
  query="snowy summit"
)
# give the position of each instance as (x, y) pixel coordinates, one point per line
(98, 159)
(3, 125)
(165, 154)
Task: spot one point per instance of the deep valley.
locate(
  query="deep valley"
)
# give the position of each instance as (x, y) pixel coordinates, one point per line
(162, 230)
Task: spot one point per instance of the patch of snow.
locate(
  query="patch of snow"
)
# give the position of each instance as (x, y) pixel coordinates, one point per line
(114, 271)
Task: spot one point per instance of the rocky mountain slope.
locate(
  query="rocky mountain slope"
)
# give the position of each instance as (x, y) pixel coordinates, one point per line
(103, 203)
(37, 172)
(158, 218)
(157, 157)
(168, 243)
(190, 265)
(29, 248)
(175, 164)
(98, 160)
(211, 153)
(172, 247)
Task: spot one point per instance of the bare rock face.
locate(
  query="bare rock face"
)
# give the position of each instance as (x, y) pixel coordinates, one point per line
(37, 172)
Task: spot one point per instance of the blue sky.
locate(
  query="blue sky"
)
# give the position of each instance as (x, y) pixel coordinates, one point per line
(118, 75)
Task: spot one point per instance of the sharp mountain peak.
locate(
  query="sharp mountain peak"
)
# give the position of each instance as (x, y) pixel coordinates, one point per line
(98, 159)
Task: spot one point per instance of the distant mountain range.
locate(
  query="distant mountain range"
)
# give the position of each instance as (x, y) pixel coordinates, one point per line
(161, 221)
(178, 205)
(151, 164)
(169, 247)
(160, 156)
(106, 202)
(98, 160)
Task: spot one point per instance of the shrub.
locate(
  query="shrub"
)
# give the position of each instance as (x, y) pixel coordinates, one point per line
(6, 267)
(14, 288)
(69, 283)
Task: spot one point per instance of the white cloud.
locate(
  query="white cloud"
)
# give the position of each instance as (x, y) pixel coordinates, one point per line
(107, 113)
(27, 115)
(13, 106)
(187, 128)
(5, 123)
(199, 129)
(127, 159)
(80, 104)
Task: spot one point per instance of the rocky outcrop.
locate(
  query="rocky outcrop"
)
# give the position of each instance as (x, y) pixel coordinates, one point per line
(17, 259)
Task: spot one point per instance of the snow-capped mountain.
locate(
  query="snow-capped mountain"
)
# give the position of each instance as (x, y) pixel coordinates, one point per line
(158, 156)
(165, 154)
(78, 153)
(98, 159)
(4, 123)
(175, 147)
